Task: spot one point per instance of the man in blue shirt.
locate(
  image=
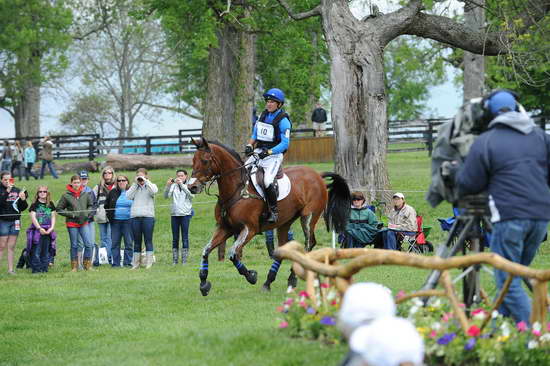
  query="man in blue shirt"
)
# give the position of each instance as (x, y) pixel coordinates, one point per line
(511, 161)
(270, 140)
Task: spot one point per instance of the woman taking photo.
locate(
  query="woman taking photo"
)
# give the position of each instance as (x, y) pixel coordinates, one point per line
(76, 206)
(142, 192)
(12, 202)
(117, 208)
(41, 235)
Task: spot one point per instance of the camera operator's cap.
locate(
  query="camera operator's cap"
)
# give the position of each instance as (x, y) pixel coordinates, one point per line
(399, 194)
(84, 174)
(502, 101)
(388, 341)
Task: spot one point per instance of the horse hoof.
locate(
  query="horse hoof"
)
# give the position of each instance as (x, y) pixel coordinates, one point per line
(293, 282)
(252, 277)
(205, 288)
(266, 288)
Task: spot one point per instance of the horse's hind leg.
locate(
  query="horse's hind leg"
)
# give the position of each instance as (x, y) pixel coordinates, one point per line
(282, 238)
(306, 228)
(219, 237)
(235, 254)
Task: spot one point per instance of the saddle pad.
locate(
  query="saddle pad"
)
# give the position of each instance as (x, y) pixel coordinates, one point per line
(284, 187)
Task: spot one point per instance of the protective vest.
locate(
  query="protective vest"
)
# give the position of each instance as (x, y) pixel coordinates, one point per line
(277, 131)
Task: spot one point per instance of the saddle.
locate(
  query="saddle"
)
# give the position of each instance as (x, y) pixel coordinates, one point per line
(260, 179)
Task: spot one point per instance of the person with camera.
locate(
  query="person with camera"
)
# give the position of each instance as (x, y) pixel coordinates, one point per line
(270, 140)
(142, 193)
(77, 207)
(118, 211)
(401, 222)
(511, 162)
(181, 214)
(12, 202)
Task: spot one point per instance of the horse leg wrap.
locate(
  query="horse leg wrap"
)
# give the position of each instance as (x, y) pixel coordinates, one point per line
(203, 275)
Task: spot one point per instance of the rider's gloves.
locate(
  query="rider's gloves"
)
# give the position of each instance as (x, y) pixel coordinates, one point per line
(248, 150)
(264, 154)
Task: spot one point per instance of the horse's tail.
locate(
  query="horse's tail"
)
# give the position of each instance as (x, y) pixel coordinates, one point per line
(339, 203)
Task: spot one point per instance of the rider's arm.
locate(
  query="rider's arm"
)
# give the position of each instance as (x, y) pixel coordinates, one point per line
(284, 126)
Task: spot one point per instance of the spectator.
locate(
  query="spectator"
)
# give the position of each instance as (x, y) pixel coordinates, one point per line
(47, 157)
(401, 221)
(388, 341)
(362, 226)
(17, 162)
(319, 119)
(30, 159)
(510, 161)
(77, 207)
(84, 180)
(182, 212)
(118, 209)
(106, 183)
(41, 236)
(142, 192)
(7, 156)
(12, 202)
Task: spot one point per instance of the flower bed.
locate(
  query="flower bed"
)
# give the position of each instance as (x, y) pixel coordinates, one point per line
(500, 342)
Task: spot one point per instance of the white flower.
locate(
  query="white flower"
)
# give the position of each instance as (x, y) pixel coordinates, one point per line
(537, 327)
(545, 338)
(505, 329)
(316, 283)
(413, 310)
(417, 302)
(331, 295)
(494, 314)
(436, 326)
(532, 344)
(479, 316)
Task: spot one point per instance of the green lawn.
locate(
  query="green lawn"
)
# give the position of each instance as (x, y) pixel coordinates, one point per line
(117, 316)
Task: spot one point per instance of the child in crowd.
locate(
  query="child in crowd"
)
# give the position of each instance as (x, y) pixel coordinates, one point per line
(182, 212)
(41, 237)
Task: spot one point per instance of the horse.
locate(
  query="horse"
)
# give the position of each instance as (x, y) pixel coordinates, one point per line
(239, 208)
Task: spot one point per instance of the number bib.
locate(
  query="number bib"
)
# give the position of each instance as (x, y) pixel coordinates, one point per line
(265, 132)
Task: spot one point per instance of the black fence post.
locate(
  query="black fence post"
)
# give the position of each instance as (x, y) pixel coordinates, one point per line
(91, 150)
(58, 153)
(148, 146)
(430, 138)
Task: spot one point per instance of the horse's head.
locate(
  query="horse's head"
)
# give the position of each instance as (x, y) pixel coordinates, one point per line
(205, 168)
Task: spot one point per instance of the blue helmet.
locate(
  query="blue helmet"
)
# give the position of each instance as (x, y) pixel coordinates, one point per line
(502, 101)
(275, 94)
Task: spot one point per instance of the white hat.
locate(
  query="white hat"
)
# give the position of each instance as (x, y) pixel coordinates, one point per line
(388, 341)
(398, 194)
(364, 302)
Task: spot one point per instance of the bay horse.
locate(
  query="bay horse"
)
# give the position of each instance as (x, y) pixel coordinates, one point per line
(239, 208)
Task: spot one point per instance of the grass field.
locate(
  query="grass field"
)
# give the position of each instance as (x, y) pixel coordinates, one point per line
(158, 317)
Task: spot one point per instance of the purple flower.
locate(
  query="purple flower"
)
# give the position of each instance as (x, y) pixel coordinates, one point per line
(328, 320)
(470, 344)
(446, 339)
(310, 310)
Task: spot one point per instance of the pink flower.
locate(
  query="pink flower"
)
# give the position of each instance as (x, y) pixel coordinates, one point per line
(334, 303)
(289, 301)
(521, 326)
(401, 294)
(304, 294)
(537, 332)
(473, 331)
(283, 325)
(548, 327)
(478, 311)
(462, 305)
(302, 304)
(446, 317)
(280, 309)
(433, 334)
(325, 285)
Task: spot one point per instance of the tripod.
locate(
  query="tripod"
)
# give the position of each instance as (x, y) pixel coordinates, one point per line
(465, 235)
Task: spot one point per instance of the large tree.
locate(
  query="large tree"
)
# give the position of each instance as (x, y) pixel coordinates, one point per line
(359, 99)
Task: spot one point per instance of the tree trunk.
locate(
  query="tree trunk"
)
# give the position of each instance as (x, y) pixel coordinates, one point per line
(27, 113)
(474, 64)
(358, 102)
(219, 108)
(133, 162)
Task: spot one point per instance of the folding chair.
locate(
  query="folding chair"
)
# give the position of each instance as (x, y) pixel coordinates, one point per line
(417, 243)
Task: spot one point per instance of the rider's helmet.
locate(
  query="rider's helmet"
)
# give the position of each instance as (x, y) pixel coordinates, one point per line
(275, 94)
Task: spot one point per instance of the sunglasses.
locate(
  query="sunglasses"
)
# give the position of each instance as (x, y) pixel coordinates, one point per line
(357, 199)
(107, 173)
(122, 180)
(42, 191)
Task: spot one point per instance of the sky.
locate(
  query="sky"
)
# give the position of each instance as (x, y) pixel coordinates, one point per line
(443, 102)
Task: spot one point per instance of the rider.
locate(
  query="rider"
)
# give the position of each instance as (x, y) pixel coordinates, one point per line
(270, 140)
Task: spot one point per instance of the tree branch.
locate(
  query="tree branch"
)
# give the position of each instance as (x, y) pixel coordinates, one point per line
(316, 11)
(173, 109)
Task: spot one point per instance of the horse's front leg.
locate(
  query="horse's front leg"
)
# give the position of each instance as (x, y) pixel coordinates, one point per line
(235, 255)
(219, 237)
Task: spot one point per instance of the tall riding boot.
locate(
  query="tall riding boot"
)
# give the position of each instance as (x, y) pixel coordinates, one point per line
(175, 255)
(271, 196)
(184, 255)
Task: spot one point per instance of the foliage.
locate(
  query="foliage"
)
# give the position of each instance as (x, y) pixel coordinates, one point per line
(89, 112)
(33, 39)
(412, 66)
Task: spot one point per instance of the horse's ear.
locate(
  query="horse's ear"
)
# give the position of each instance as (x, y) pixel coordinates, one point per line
(197, 143)
(205, 144)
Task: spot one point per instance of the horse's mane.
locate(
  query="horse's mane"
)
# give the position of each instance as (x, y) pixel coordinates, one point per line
(229, 150)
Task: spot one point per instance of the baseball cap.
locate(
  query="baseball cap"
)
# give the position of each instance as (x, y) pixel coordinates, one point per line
(388, 341)
(399, 194)
(83, 174)
(502, 101)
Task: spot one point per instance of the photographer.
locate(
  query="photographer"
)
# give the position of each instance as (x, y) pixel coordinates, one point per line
(510, 162)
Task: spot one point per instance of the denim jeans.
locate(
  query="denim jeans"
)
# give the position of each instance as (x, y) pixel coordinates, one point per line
(40, 254)
(6, 165)
(50, 166)
(84, 233)
(180, 223)
(105, 242)
(517, 241)
(28, 171)
(142, 229)
(122, 229)
(389, 238)
(19, 166)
